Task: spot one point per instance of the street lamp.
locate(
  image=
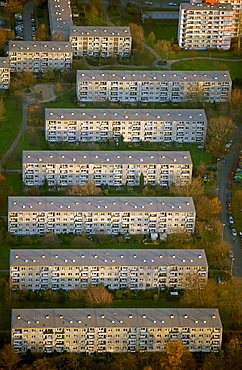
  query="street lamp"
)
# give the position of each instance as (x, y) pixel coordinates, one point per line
(232, 263)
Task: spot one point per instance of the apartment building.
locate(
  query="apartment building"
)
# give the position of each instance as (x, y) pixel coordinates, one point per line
(60, 17)
(99, 41)
(115, 329)
(237, 14)
(132, 125)
(137, 269)
(113, 168)
(152, 86)
(4, 73)
(108, 215)
(205, 26)
(37, 56)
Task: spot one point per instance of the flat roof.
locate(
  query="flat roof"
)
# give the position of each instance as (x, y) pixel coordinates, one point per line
(85, 114)
(40, 46)
(206, 6)
(148, 76)
(100, 31)
(108, 257)
(99, 204)
(103, 157)
(4, 62)
(60, 15)
(115, 317)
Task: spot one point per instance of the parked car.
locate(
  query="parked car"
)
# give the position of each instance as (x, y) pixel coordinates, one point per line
(231, 175)
(172, 4)
(222, 159)
(231, 254)
(234, 232)
(231, 220)
(229, 185)
(148, 3)
(229, 194)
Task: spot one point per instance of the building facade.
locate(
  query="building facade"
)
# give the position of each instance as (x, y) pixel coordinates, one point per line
(113, 168)
(132, 125)
(137, 269)
(237, 14)
(108, 215)
(115, 329)
(205, 26)
(4, 73)
(99, 41)
(37, 56)
(152, 86)
(60, 17)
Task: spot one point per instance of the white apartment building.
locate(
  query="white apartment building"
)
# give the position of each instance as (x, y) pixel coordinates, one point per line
(137, 269)
(152, 86)
(115, 329)
(100, 41)
(37, 215)
(4, 73)
(37, 56)
(114, 168)
(60, 17)
(205, 26)
(237, 15)
(134, 125)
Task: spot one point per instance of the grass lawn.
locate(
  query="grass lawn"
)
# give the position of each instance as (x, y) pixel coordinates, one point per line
(64, 101)
(205, 54)
(32, 139)
(10, 126)
(122, 22)
(164, 29)
(209, 65)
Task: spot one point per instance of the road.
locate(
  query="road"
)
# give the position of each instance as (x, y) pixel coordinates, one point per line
(28, 9)
(222, 180)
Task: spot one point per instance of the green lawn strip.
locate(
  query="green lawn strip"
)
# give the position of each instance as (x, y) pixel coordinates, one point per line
(120, 22)
(209, 65)
(10, 126)
(160, 28)
(204, 53)
(63, 101)
(14, 180)
(32, 139)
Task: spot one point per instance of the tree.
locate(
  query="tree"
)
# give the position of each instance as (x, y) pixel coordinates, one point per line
(41, 33)
(76, 295)
(194, 190)
(141, 180)
(81, 242)
(48, 74)
(9, 359)
(231, 296)
(89, 188)
(35, 115)
(5, 35)
(177, 357)
(151, 36)
(218, 251)
(14, 6)
(59, 36)
(27, 240)
(207, 208)
(98, 296)
(218, 132)
(50, 240)
(235, 104)
(28, 79)
(137, 33)
(164, 48)
(42, 364)
(201, 297)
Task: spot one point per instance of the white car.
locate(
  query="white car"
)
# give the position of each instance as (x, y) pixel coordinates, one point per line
(172, 4)
(234, 232)
(231, 254)
(231, 220)
(148, 3)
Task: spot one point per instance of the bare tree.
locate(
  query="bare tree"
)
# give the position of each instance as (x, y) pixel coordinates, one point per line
(98, 296)
(218, 132)
(195, 189)
(137, 33)
(89, 188)
(59, 36)
(50, 240)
